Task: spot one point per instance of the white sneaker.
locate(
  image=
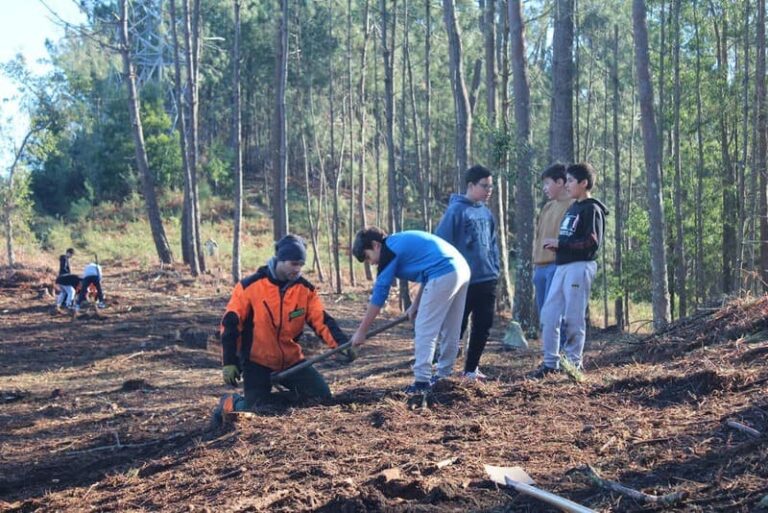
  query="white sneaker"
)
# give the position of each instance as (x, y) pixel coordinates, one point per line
(474, 376)
(101, 304)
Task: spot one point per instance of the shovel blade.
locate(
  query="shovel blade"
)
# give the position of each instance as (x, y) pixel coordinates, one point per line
(498, 474)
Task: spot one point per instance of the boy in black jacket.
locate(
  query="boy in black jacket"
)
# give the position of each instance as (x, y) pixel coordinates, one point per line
(581, 233)
(64, 262)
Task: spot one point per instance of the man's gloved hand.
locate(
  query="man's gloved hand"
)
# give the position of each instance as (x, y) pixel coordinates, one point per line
(350, 354)
(231, 374)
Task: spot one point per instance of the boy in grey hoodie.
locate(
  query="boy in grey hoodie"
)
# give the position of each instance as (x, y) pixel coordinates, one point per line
(470, 227)
(581, 233)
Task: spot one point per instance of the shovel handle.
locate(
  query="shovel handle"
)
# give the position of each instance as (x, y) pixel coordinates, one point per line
(561, 503)
(277, 377)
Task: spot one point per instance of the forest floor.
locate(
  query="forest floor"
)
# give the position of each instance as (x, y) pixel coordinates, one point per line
(112, 413)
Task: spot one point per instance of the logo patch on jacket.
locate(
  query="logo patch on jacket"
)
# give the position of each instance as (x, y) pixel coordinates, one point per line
(296, 313)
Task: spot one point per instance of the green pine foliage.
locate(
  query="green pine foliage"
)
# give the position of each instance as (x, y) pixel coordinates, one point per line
(83, 164)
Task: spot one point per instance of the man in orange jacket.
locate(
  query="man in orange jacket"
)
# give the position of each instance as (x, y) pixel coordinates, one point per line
(263, 319)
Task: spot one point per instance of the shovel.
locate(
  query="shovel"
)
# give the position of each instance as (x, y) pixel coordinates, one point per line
(278, 377)
(519, 479)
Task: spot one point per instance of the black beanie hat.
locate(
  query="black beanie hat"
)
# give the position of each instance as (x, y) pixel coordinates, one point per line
(291, 248)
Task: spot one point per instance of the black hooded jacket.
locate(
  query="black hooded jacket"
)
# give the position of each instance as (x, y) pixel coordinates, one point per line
(581, 232)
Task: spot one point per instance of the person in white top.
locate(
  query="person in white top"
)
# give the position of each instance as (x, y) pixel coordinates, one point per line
(91, 275)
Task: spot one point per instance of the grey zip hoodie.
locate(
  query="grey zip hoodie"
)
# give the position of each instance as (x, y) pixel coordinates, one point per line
(471, 228)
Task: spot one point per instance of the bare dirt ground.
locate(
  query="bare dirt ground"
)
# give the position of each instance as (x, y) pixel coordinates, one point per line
(112, 413)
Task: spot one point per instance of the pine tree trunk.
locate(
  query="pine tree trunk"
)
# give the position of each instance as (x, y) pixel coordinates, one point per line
(313, 231)
(744, 196)
(461, 103)
(334, 166)
(187, 248)
(153, 210)
(9, 207)
(377, 131)
(237, 149)
(502, 180)
(420, 177)
(279, 152)
(350, 100)
(619, 213)
(428, 106)
(361, 119)
(523, 310)
(576, 84)
(192, 40)
(388, 52)
(490, 61)
(728, 246)
(8, 213)
(699, 221)
(659, 288)
(762, 127)
(681, 270)
(561, 119)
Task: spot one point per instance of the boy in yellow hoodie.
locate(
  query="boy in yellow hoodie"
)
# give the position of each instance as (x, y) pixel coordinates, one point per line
(548, 227)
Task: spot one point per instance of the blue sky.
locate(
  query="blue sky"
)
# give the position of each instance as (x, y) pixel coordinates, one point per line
(24, 27)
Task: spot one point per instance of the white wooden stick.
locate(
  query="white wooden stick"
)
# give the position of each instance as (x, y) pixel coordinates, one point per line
(550, 498)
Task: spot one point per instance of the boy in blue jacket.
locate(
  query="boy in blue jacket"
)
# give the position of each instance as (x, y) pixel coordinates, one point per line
(469, 226)
(438, 307)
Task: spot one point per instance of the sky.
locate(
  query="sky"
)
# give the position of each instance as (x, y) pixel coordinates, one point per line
(24, 27)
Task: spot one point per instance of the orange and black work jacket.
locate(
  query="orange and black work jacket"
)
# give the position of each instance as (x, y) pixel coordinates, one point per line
(264, 317)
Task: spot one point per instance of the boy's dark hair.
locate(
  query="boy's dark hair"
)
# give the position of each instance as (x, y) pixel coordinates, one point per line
(582, 171)
(476, 173)
(364, 240)
(554, 172)
(70, 251)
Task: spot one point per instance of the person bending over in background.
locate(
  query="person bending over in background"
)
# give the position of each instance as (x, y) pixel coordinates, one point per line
(91, 276)
(67, 284)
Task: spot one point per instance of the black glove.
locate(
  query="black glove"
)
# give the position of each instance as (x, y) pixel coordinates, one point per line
(349, 353)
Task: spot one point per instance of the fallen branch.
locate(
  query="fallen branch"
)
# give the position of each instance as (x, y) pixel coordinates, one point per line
(131, 356)
(594, 477)
(652, 440)
(607, 444)
(117, 445)
(444, 463)
(233, 473)
(744, 429)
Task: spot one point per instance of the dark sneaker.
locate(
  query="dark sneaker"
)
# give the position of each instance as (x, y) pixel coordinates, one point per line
(418, 387)
(542, 371)
(434, 379)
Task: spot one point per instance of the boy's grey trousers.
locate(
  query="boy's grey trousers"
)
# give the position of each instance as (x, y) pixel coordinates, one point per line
(567, 301)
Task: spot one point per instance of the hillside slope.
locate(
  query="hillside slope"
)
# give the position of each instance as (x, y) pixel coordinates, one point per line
(112, 414)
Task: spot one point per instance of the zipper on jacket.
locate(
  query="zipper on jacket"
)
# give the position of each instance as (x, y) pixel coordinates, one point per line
(280, 328)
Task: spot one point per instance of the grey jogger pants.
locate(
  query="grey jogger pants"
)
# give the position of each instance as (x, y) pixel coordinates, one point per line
(440, 313)
(567, 301)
